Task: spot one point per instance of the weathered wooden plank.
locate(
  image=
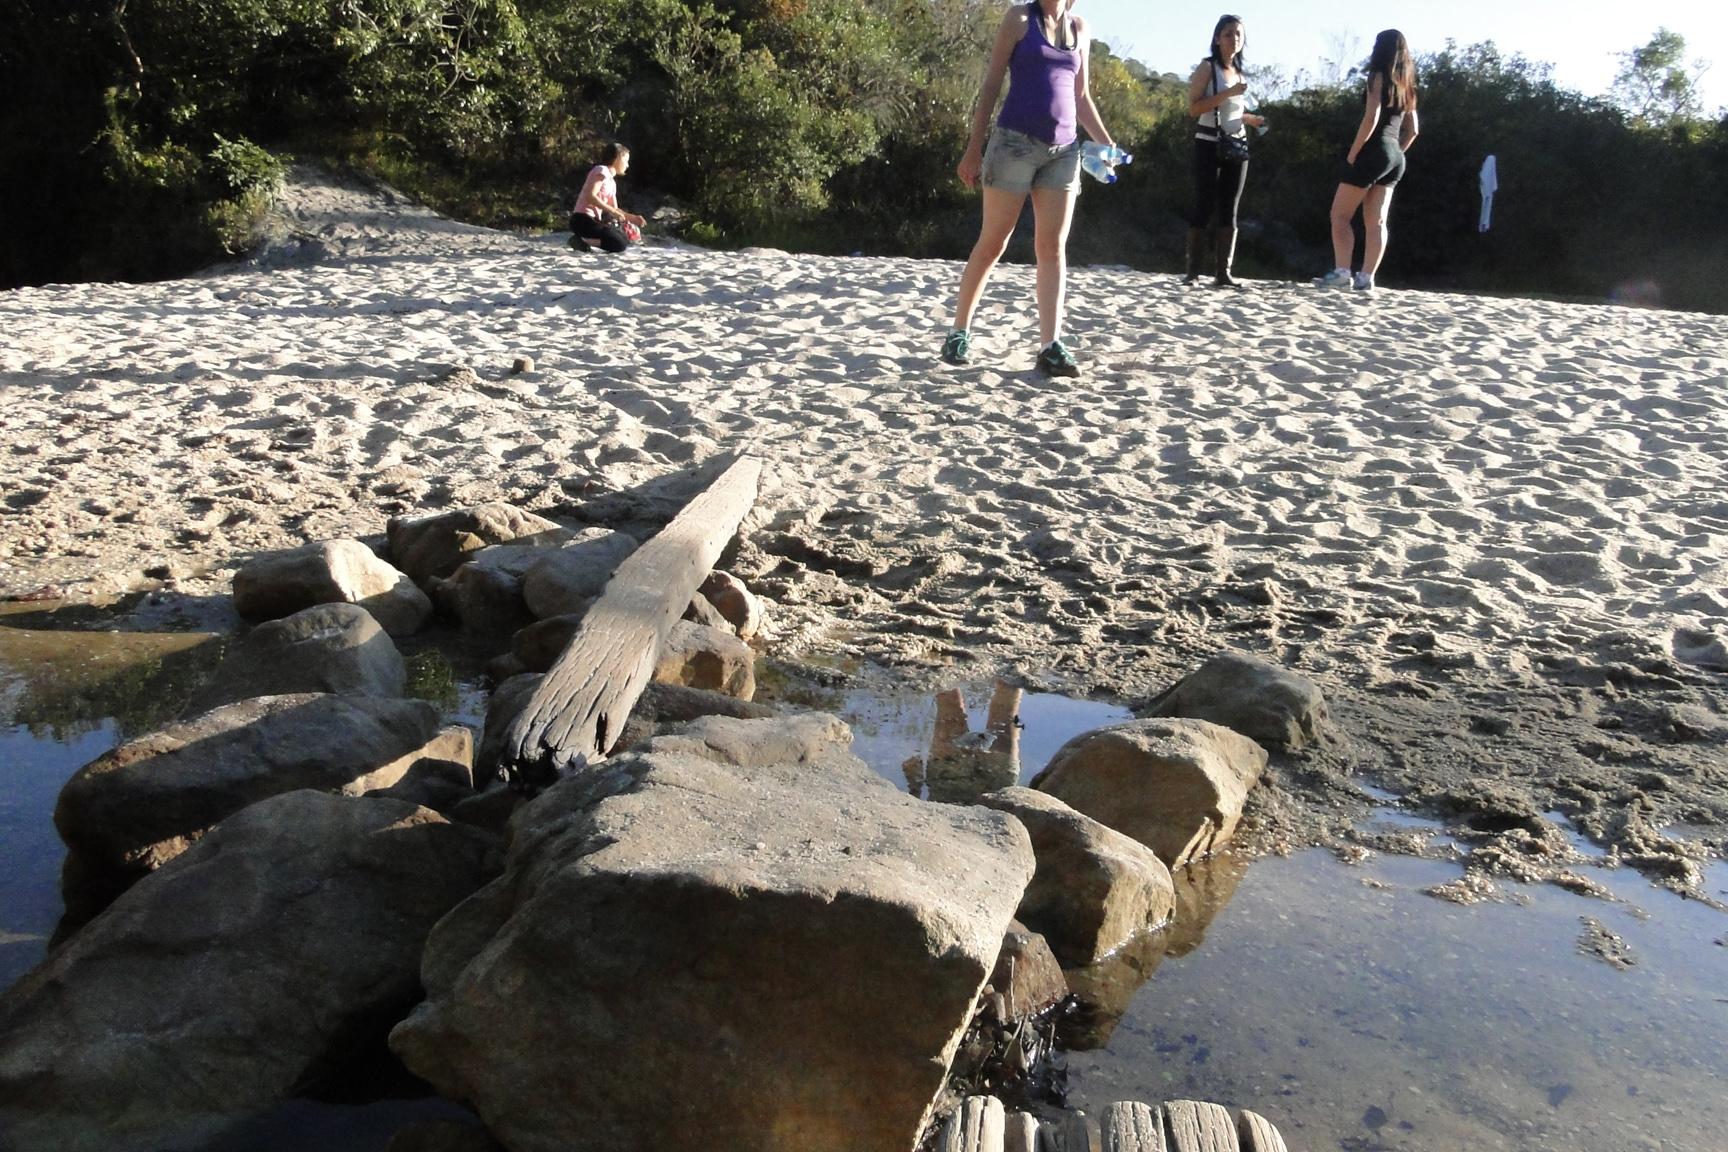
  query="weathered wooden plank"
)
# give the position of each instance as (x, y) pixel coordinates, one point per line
(1130, 1126)
(975, 1126)
(1068, 1133)
(1020, 1133)
(1257, 1133)
(1196, 1126)
(581, 705)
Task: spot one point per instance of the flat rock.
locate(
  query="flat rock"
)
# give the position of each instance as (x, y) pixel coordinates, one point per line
(135, 808)
(254, 963)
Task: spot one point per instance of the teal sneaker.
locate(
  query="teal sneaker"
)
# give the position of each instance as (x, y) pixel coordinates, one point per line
(1056, 360)
(957, 349)
(1337, 278)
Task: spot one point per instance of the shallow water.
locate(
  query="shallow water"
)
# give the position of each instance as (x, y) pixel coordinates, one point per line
(1340, 1002)
(1357, 1013)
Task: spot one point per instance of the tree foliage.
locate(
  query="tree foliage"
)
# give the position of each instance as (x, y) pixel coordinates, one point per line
(141, 138)
(1656, 86)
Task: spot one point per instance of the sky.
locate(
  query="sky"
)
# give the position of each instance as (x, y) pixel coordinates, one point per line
(1580, 39)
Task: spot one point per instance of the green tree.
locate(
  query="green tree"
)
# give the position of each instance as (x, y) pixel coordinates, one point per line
(1656, 86)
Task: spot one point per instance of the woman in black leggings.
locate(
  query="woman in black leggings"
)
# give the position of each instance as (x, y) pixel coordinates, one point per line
(1375, 162)
(1215, 94)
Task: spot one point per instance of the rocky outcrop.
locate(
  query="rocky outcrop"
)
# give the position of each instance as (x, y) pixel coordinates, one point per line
(717, 926)
(1176, 786)
(245, 969)
(1094, 889)
(335, 648)
(1272, 706)
(433, 546)
(330, 572)
(145, 802)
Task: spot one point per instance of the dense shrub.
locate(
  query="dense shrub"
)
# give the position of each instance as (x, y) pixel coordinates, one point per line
(142, 138)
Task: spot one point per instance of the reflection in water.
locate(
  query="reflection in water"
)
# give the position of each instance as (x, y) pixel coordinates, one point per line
(64, 684)
(66, 697)
(962, 764)
(1106, 989)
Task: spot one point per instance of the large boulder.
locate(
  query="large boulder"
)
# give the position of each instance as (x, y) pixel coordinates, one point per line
(135, 808)
(698, 656)
(428, 546)
(251, 966)
(485, 599)
(330, 572)
(1176, 786)
(336, 648)
(1095, 889)
(1270, 705)
(568, 578)
(739, 939)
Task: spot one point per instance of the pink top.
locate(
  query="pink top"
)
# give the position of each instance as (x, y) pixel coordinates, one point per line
(601, 188)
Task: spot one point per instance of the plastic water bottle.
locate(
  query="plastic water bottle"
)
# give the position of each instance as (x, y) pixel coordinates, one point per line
(1100, 160)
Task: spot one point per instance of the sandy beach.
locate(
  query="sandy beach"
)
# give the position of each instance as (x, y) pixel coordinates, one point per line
(1494, 531)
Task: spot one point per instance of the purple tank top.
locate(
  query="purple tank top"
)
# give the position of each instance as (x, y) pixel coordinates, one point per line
(1041, 76)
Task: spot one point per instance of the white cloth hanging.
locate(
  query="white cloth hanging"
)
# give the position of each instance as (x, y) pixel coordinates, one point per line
(1490, 182)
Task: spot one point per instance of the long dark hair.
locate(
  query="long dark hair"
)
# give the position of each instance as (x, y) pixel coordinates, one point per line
(1391, 61)
(609, 155)
(1216, 29)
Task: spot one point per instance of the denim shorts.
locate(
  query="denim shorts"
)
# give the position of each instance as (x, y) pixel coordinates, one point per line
(1016, 162)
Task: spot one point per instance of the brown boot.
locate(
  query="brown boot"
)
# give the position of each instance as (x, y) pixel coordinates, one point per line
(1226, 254)
(1196, 253)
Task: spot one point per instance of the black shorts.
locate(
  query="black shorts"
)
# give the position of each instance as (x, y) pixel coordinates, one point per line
(1381, 162)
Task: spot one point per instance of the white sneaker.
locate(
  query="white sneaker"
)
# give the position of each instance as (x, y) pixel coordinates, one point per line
(1337, 278)
(1362, 282)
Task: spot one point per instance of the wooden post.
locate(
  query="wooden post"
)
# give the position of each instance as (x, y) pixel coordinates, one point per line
(1130, 1126)
(580, 707)
(975, 1126)
(1196, 1126)
(1020, 1134)
(1067, 1134)
(1257, 1133)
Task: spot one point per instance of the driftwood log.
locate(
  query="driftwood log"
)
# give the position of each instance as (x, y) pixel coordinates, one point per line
(579, 709)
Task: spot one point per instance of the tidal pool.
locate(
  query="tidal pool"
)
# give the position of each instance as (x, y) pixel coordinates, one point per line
(1353, 1011)
(1358, 1013)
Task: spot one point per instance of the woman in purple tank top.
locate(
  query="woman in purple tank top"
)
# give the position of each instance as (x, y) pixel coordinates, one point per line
(1034, 150)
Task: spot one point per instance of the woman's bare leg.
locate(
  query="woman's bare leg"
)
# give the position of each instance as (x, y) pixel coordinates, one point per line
(1052, 214)
(1345, 201)
(1001, 210)
(1374, 209)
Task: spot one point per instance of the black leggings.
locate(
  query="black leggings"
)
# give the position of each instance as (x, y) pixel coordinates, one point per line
(1217, 186)
(608, 236)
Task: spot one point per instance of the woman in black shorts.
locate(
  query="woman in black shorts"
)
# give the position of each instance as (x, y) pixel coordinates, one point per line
(1375, 162)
